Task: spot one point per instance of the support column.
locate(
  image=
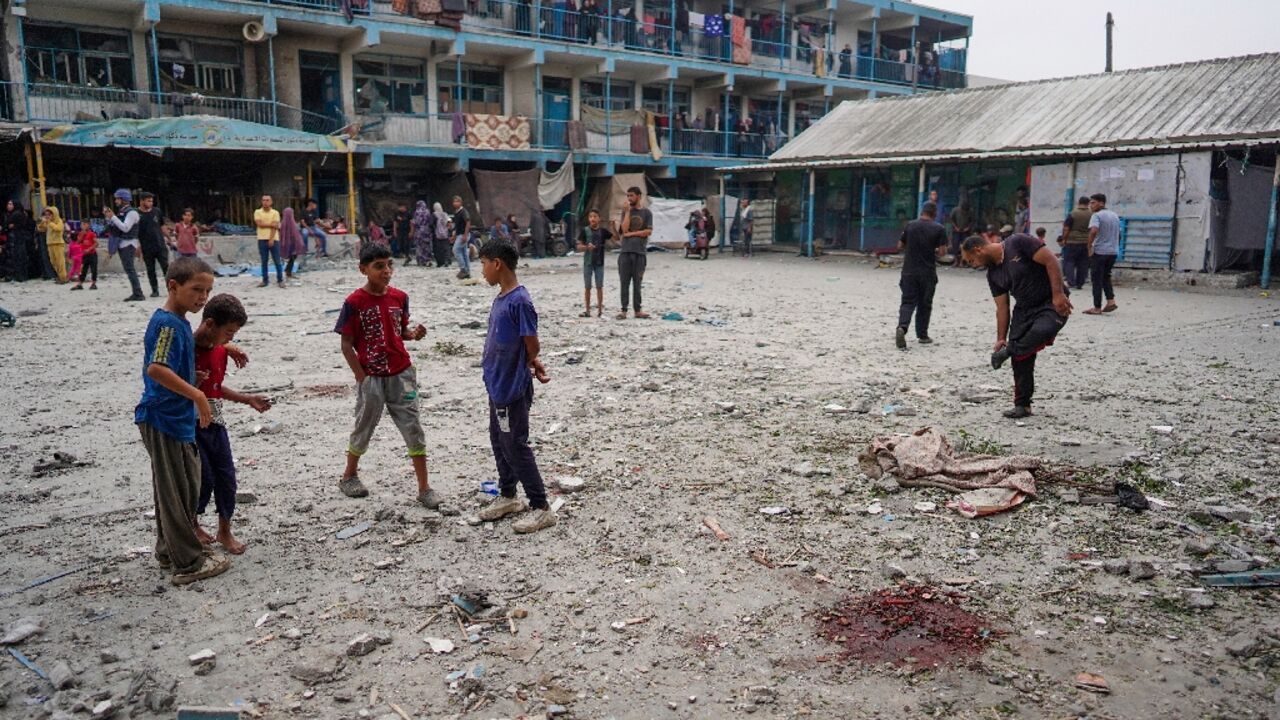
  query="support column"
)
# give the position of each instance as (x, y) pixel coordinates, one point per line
(608, 26)
(537, 17)
(310, 183)
(777, 123)
(723, 230)
(1271, 229)
(808, 231)
(351, 186)
(920, 189)
(40, 182)
(784, 47)
(31, 177)
(608, 112)
(537, 107)
(155, 64)
(671, 110)
(724, 121)
(271, 68)
(862, 225)
(1071, 189)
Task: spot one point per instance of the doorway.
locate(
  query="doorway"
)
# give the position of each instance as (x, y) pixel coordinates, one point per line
(556, 114)
(321, 80)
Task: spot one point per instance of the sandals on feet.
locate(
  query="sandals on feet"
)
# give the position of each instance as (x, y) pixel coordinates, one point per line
(213, 564)
(585, 313)
(352, 487)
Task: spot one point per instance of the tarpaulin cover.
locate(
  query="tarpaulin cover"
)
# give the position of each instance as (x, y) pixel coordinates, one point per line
(503, 193)
(610, 195)
(552, 187)
(619, 121)
(669, 218)
(192, 132)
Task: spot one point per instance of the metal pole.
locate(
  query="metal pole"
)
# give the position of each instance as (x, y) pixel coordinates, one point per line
(671, 110)
(724, 123)
(351, 185)
(724, 223)
(1110, 27)
(26, 80)
(537, 17)
(155, 64)
(310, 187)
(671, 41)
(271, 64)
(44, 201)
(920, 189)
(31, 176)
(1271, 229)
(608, 111)
(785, 45)
(1071, 189)
(862, 226)
(608, 26)
(809, 220)
(537, 108)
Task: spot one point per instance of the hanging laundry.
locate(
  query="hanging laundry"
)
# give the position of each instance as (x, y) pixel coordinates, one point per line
(714, 26)
(741, 47)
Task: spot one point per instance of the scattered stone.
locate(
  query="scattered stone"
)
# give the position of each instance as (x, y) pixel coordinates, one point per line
(726, 407)
(924, 506)
(1234, 566)
(206, 667)
(21, 629)
(887, 484)
(278, 603)
(318, 667)
(1230, 514)
(1115, 566)
(651, 386)
(365, 643)
(292, 634)
(1069, 442)
(570, 483)
(1197, 599)
(556, 710)
(1175, 475)
(1141, 570)
(61, 676)
(1243, 644)
(440, 646)
(835, 409)
(892, 572)
(1201, 545)
(244, 497)
(804, 469)
(104, 709)
(761, 694)
(107, 657)
(202, 656)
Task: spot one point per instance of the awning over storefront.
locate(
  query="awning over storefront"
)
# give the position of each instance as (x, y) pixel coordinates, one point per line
(196, 132)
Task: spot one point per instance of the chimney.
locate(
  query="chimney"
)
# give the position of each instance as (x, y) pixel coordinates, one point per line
(1110, 28)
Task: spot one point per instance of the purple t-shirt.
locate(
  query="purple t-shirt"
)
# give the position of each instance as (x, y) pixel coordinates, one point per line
(506, 362)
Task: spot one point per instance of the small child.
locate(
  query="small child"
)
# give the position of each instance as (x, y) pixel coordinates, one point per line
(167, 416)
(592, 246)
(223, 318)
(510, 363)
(186, 234)
(373, 321)
(76, 254)
(1040, 233)
(88, 242)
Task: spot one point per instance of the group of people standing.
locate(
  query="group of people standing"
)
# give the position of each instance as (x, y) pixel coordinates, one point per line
(431, 236)
(1018, 266)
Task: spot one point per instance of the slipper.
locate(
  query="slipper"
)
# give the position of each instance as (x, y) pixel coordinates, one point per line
(621, 316)
(1111, 307)
(586, 313)
(213, 565)
(1093, 311)
(642, 315)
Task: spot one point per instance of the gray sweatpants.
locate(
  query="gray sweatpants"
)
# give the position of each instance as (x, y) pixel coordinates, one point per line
(399, 394)
(175, 488)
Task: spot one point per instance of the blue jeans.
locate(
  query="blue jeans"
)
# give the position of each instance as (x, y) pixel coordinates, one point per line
(462, 251)
(274, 251)
(319, 235)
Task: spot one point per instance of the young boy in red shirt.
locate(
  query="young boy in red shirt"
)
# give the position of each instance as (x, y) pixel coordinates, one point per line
(373, 322)
(88, 242)
(223, 318)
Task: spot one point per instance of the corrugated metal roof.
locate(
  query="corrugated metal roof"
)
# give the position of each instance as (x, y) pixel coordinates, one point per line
(1214, 103)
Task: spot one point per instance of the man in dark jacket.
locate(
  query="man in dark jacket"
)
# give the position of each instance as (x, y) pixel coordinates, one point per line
(155, 250)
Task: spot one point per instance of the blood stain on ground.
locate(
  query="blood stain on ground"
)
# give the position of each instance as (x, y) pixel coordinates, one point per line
(909, 626)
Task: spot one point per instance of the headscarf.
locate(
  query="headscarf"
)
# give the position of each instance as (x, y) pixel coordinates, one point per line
(422, 218)
(290, 235)
(54, 227)
(19, 219)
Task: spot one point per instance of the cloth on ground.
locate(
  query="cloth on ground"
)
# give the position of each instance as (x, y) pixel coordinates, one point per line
(927, 459)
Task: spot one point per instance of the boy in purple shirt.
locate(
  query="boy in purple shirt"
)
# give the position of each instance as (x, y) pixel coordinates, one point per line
(510, 363)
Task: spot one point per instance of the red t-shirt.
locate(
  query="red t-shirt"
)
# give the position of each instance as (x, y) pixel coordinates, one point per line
(214, 361)
(376, 325)
(88, 241)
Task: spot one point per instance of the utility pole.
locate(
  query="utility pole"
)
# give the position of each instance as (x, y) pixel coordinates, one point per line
(1111, 24)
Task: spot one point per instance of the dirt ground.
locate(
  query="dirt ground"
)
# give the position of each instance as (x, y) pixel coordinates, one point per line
(630, 607)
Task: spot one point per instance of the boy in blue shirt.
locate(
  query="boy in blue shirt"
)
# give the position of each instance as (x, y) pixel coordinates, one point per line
(167, 415)
(510, 363)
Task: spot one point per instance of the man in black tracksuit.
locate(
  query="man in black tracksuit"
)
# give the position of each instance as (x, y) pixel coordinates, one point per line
(155, 249)
(1023, 267)
(922, 243)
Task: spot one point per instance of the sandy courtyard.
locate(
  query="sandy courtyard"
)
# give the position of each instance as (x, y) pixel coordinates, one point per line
(630, 607)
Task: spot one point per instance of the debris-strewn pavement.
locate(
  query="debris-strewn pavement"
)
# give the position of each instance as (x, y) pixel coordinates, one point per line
(760, 399)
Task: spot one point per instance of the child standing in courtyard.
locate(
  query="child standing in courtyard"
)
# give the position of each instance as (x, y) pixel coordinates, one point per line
(88, 242)
(167, 416)
(373, 322)
(592, 247)
(223, 318)
(510, 363)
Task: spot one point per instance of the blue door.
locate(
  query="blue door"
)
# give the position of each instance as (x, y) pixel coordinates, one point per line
(555, 116)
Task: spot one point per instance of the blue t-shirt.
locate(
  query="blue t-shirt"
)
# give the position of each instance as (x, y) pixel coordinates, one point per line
(506, 362)
(1108, 225)
(169, 342)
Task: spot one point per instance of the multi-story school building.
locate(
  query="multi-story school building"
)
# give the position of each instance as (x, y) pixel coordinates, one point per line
(433, 89)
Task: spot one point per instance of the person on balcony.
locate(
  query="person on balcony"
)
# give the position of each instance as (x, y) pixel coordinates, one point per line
(846, 61)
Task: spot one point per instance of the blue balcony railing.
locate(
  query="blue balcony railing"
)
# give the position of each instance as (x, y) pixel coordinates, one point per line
(57, 103)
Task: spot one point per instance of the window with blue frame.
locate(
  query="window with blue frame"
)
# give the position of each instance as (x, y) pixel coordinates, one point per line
(480, 90)
(654, 99)
(71, 56)
(622, 95)
(210, 67)
(385, 84)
